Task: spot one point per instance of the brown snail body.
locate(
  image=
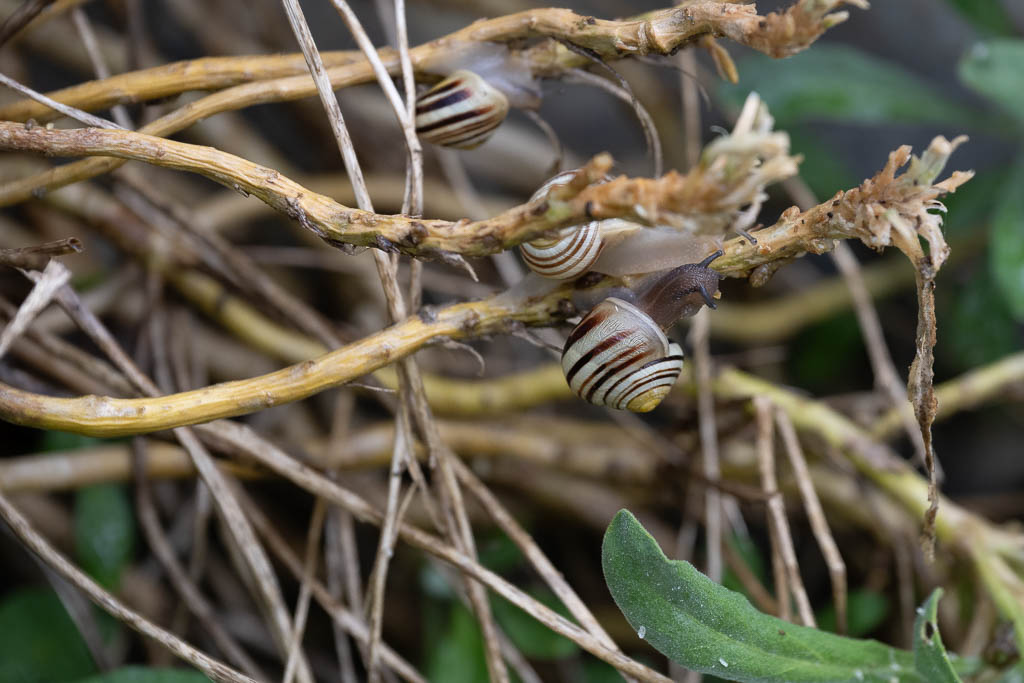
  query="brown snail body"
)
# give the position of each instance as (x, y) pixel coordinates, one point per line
(619, 356)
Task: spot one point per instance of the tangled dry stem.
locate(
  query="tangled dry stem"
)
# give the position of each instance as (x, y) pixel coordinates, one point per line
(890, 209)
(877, 213)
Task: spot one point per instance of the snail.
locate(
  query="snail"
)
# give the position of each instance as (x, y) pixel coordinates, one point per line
(612, 246)
(619, 356)
(572, 252)
(461, 111)
(567, 256)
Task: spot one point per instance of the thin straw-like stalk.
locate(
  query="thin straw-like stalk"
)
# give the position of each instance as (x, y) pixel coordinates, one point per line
(819, 525)
(268, 591)
(783, 553)
(316, 526)
(192, 597)
(24, 530)
(766, 465)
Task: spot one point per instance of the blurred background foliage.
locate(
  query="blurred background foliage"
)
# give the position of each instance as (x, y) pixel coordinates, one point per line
(897, 74)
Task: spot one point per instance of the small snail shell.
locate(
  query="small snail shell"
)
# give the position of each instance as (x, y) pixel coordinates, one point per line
(566, 257)
(619, 356)
(461, 111)
(569, 255)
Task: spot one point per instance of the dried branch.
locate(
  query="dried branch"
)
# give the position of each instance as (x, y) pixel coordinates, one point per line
(819, 525)
(660, 32)
(966, 392)
(36, 257)
(50, 281)
(190, 594)
(703, 201)
(54, 559)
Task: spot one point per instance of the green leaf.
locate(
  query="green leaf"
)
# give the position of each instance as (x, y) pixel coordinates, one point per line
(710, 629)
(1006, 249)
(138, 674)
(822, 167)
(840, 83)
(980, 328)
(104, 531)
(969, 209)
(995, 68)
(866, 610)
(500, 554)
(38, 640)
(66, 441)
(533, 638)
(813, 362)
(458, 657)
(1014, 675)
(930, 656)
(596, 671)
(986, 15)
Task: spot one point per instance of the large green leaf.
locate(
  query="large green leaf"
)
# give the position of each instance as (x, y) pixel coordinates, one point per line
(839, 83)
(995, 68)
(930, 656)
(38, 640)
(986, 15)
(1006, 251)
(104, 531)
(138, 674)
(710, 629)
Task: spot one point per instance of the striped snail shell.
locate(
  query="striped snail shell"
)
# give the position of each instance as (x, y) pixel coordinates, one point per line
(461, 111)
(572, 252)
(619, 356)
(567, 256)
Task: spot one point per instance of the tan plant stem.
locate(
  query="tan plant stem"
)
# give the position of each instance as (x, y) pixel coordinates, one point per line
(190, 594)
(819, 524)
(783, 551)
(53, 558)
(659, 32)
(410, 384)
(53, 278)
(708, 443)
(533, 554)
(886, 376)
(966, 392)
(242, 438)
(92, 47)
(85, 117)
(268, 590)
(316, 526)
(765, 463)
(36, 257)
(347, 619)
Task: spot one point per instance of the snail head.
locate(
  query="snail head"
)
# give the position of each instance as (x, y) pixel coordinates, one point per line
(680, 292)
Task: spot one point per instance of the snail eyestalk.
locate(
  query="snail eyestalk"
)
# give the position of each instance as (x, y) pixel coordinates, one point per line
(680, 292)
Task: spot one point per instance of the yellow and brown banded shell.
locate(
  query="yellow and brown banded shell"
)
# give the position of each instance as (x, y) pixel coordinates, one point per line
(565, 257)
(461, 111)
(618, 357)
